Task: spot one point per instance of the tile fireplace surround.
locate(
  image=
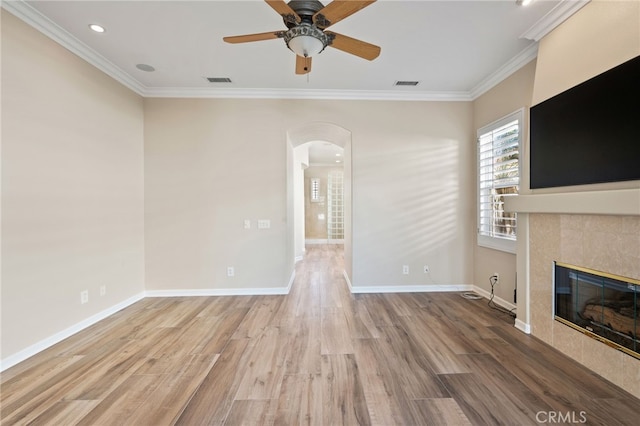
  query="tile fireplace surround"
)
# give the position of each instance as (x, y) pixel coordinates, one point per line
(601, 242)
(599, 230)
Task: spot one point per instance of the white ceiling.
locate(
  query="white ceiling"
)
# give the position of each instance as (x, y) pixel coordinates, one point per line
(325, 154)
(455, 49)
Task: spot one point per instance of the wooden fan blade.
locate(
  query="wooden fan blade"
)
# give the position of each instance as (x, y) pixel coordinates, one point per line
(303, 65)
(253, 37)
(354, 46)
(284, 10)
(338, 10)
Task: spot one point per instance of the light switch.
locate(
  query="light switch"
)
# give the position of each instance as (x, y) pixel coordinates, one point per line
(247, 224)
(264, 224)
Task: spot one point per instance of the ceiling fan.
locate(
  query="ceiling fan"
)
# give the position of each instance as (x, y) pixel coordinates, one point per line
(307, 21)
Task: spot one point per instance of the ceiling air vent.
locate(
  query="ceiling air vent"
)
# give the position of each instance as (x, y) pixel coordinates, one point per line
(406, 83)
(219, 79)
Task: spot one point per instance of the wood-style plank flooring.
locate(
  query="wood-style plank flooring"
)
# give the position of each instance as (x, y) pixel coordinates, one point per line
(318, 356)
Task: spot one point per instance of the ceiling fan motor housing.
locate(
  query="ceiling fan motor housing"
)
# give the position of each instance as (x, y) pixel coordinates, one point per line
(305, 10)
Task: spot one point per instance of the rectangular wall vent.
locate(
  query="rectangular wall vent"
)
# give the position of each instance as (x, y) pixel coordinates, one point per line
(406, 83)
(219, 79)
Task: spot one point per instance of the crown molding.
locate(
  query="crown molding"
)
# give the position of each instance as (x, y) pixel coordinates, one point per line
(372, 95)
(520, 60)
(50, 29)
(553, 18)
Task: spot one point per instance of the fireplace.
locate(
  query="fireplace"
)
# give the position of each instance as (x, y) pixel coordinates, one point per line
(601, 305)
(604, 242)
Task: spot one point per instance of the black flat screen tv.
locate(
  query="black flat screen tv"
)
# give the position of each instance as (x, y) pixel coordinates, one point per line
(590, 133)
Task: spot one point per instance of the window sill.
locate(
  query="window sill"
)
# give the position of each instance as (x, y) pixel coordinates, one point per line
(500, 244)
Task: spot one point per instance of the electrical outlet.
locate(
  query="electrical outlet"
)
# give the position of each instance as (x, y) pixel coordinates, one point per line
(426, 269)
(405, 269)
(497, 276)
(230, 271)
(103, 290)
(84, 297)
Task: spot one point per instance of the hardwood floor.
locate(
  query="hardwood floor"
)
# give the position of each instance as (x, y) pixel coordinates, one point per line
(319, 356)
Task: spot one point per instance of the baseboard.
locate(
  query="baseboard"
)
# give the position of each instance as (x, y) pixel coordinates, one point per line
(220, 292)
(292, 278)
(411, 288)
(523, 326)
(498, 300)
(346, 278)
(32, 350)
(519, 324)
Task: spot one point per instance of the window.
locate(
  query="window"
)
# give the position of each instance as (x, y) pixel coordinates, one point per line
(315, 189)
(499, 148)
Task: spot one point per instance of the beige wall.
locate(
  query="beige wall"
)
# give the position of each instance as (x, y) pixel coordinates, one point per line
(600, 36)
(72, 189)
(412, 188)
(603, 34)
(209, 165)
(413, 166)
(510, 95)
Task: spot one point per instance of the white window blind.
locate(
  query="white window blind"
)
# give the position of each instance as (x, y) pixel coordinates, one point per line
(499, 151)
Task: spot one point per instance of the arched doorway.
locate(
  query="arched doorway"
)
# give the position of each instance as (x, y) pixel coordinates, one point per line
(298, 140)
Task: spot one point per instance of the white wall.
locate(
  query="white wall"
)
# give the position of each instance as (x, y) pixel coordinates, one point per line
(72, 189)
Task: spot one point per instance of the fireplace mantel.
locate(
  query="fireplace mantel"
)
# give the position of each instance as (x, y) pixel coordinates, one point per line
(612, 202)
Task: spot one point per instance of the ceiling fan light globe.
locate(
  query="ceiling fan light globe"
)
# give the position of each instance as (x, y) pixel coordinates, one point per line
(306, 40)
(306, 46)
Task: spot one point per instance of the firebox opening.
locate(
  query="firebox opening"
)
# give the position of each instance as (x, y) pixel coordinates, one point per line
(601, 305)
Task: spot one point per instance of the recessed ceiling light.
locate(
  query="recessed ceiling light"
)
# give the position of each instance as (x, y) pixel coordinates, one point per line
(523, 2)
(97, 28)
(338, 155)
(145, 67)
(338, 161)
